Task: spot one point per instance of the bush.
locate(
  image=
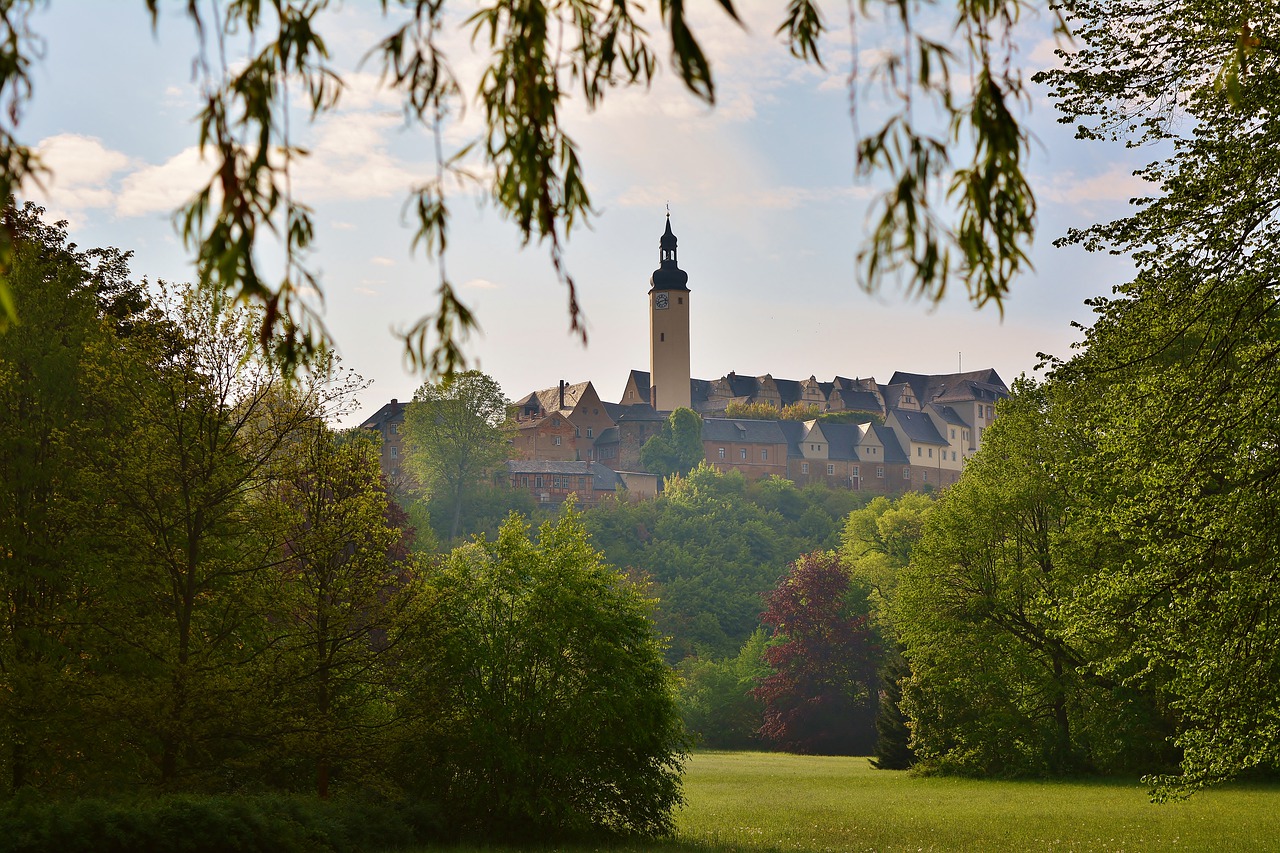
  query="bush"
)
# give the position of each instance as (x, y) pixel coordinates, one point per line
(559, 714)
(220, 824)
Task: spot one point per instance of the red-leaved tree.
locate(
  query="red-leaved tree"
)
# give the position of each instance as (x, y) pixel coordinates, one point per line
(820, 698)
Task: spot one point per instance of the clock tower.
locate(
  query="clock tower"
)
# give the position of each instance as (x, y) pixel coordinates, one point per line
(668, 329)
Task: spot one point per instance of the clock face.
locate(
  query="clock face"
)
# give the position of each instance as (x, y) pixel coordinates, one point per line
(660, 301)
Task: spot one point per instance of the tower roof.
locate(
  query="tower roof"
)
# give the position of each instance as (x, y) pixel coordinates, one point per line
(668, 276)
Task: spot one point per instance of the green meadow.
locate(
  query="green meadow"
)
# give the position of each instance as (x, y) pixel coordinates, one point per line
(750, 801)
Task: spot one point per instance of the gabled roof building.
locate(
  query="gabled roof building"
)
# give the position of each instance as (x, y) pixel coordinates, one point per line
(914, 432)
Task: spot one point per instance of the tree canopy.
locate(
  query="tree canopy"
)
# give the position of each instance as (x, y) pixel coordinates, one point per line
(537, 57)
(560, 712)
(677, 448)
(455, 437)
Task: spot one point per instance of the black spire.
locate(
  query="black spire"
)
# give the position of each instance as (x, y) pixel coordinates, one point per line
(668, 276)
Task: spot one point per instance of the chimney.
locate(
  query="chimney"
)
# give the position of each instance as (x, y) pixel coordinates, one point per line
(562, 384)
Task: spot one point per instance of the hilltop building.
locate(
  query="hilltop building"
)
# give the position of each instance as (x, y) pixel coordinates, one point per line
(913, 433)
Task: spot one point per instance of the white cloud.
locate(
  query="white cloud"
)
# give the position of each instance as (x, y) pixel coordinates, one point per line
(363, 90)
(481, 284)
(382, 262)
(77, 160)
(1117, 184)
(349, 160)
(81, 170)
(338, 225)
(161, 189)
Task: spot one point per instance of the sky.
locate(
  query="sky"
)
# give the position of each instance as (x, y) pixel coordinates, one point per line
(760, 188)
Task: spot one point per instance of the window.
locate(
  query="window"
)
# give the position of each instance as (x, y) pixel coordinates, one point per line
(953, 456)
(395, 428)
(679, 300)
(764, 455)
(555, 482)
(919, 451)
(721, 452)
(906, 473)
(880, 472)
(555, 422)
(742, 454)
(924, 476)
(591, 432)
(953, 433)
(582, 482)
(577, 432)
(395, 451)
(662, 336)
(854, 472)
(831, 469)
(537, 482)
(524, 481)
(804, 467)
(930, 452)
(555, 439)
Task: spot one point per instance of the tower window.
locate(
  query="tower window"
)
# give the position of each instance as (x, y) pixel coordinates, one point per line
(662, 336)
(679, 300)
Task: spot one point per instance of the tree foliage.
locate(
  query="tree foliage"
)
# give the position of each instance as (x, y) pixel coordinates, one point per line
(1004, 674)
(537, 57)
(677, 448)
(335, 600)
(712, 545)
(559, 711)
(758, 411)
(206, 590)
(821, 695)
(1174, 389)
(717, 698)
(60, 429)
(455, 436)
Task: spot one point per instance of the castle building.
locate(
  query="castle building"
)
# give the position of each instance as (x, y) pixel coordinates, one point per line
(914, 433)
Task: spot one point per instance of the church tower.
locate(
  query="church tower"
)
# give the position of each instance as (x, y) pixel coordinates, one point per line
(668, 329)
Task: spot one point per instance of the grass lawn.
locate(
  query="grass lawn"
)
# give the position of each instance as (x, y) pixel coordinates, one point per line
(762, 802)
(766, 802)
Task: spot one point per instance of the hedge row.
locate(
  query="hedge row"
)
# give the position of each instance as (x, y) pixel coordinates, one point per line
(212, 824)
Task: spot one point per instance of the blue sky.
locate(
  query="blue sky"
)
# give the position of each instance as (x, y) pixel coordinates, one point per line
(761, 190)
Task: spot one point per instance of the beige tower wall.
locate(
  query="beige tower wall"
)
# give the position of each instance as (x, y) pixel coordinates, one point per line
(669, 350)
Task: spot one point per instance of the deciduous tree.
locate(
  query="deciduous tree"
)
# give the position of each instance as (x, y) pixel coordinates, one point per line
(333, 609)
(820, 697)
(1175, 386)
(59, 431)
(560, 713)
(1002, 678)
(677, 449)
(456, 438)
(213, 425)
